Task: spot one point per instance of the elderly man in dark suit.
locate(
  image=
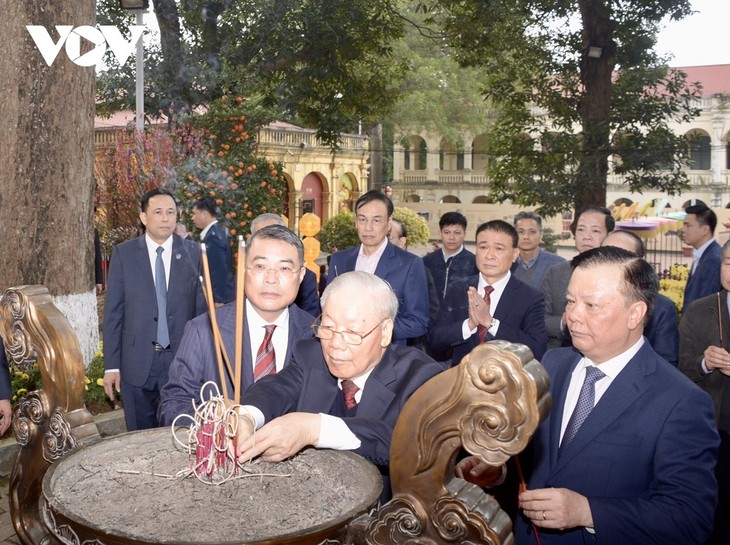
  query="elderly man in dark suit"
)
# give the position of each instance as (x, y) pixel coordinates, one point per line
(217, 247)
(403, 270)
(698, 231)
(492, 305)
(628, 451)
(342, 391)
(153, 289)
(274, 270)
(704, 339)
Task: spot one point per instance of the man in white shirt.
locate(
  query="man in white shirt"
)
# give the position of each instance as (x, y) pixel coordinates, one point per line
(217, 247)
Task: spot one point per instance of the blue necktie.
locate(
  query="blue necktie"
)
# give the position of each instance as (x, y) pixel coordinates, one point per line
(586, 401)
(163, 336)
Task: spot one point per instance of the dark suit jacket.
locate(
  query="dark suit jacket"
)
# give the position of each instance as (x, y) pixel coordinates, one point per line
(306, 385)
(220, 262)
(130, 309)
(662, 331)
(308, 295)
(462, 266)
(706, 278)
(698, 329)
(520, 313)
(406, 275)
(644, 457)
(195, 362)
(553, 287)
(6, 389)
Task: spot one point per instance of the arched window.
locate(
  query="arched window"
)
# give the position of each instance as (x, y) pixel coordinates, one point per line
(700, 150)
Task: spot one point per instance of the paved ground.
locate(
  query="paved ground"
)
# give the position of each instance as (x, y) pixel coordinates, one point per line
(7, 533)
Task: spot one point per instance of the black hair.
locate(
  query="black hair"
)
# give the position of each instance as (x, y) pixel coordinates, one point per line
(499, 226)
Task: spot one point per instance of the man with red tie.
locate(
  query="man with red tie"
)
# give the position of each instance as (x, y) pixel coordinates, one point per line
(493, 304)
(343, 390)
(274, 270)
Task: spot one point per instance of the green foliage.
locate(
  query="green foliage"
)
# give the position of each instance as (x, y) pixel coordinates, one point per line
(242, 184)
(416, 226)
(23, 382)
(558, 111)
(338, 232)
(324, 63)
(550, 240)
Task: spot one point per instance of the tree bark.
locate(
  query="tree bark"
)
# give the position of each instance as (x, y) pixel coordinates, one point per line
(376, 157)
(595, 110)
(46, 163)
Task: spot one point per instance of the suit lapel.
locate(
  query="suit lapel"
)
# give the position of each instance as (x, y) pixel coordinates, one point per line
(561, 382)
(143, 263)
(387, 262)
(377, 397)
(630, 384)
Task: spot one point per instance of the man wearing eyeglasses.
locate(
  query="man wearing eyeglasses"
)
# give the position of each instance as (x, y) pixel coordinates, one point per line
(274, 270)
(403, 270)
(343, 391)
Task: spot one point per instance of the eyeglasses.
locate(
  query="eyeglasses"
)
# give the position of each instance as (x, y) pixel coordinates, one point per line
(376, 222)
(326, 333)
(283, 271)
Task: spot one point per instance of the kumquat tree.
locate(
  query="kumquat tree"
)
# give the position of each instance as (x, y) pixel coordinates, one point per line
(243, 184)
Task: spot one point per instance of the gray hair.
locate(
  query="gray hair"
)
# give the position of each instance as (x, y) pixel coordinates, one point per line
(267, 217)
(278, 232)
(528, 215)
(377, 291)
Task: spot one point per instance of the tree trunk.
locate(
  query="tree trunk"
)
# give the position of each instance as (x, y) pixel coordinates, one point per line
(596, 68)
(376, 157)
(46, 163)
(168, 18)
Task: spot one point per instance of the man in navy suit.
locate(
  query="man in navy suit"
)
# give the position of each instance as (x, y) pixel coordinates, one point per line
(403, 270)
(698, 231)
(308, 295)
(661, 331)
(274, 269)
(217, 248)
(628, 451)
(514, 312)
(135, 359)
(342, 391)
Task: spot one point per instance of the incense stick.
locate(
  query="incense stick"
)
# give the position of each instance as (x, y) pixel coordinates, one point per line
(719, 317)
(214, 321)
(240, 297)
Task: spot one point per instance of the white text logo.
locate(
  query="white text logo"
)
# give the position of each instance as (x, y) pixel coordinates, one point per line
(100, 38)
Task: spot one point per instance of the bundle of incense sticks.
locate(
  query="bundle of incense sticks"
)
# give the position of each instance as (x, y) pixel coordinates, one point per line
(224, 363)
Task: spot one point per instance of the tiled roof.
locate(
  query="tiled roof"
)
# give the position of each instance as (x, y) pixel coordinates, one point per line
(715, 78)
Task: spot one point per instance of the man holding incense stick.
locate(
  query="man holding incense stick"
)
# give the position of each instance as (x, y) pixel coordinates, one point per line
(343, 390)
(272, 324)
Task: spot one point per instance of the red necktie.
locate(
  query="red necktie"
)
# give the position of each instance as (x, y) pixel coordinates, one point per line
(349, 389)
(481, 330)
(266, 357)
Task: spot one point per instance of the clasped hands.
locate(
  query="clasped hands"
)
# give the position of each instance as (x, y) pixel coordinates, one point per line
(717, 358)
(557, 508)
(277, 440)
(478, 310)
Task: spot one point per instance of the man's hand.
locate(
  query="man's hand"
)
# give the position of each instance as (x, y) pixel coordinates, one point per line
(478, 310)
(279, 439)
(6, 415)
(556, 508)
(717, 358)
(112, 381)
(473, 470)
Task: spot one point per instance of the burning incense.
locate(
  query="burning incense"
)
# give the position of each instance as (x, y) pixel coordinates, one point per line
(240, 318)
(214, 324)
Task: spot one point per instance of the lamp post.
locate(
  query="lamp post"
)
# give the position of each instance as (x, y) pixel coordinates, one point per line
(140, 8)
